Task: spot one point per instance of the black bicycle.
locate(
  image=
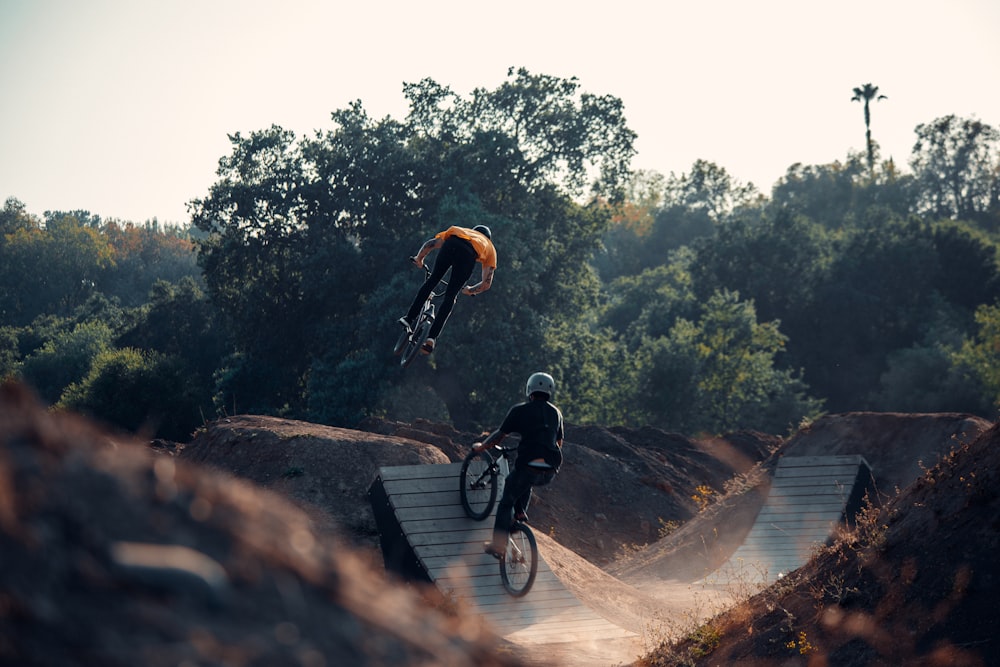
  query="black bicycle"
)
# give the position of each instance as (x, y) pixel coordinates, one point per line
(411, 340)
(478, 487)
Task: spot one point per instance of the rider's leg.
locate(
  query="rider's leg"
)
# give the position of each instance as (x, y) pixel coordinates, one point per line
(537, 478)
(517, 484)
(521, 505)
(441, 265)
(461, 269)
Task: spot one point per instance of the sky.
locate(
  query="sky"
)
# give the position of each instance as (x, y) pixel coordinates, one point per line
(124, 107)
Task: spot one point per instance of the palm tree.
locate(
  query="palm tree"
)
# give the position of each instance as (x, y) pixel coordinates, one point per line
(868, 92)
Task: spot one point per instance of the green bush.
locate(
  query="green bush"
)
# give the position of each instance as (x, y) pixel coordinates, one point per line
(141, 392)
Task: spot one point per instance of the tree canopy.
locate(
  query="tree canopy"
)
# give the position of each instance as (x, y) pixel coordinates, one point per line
(691, 302)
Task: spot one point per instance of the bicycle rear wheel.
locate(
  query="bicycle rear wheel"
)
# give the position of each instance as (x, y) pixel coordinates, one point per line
(478, 485)
(413, 345)
(519, 564)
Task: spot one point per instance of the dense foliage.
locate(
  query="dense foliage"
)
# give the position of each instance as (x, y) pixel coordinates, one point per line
(691, 302)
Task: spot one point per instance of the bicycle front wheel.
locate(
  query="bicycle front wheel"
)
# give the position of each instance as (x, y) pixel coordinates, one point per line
(478, 485)
(413, 345)
(519, 564)
(401, 342)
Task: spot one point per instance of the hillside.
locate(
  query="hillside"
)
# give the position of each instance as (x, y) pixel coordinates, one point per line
(254, 543)
(914, 584)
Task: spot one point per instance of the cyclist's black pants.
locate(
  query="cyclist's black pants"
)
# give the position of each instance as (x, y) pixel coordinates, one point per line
(516, 498)
(459, 256)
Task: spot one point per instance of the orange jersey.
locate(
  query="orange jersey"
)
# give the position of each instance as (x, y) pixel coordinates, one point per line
(486, 254)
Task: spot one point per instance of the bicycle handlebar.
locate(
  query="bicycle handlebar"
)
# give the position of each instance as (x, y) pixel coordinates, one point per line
(504, 450)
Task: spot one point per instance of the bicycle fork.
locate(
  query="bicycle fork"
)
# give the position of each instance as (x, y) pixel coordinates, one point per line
(516, 555)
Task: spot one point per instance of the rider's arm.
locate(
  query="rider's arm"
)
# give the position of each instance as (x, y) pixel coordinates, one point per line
(483, 285)
(494, 439)
(425, 249)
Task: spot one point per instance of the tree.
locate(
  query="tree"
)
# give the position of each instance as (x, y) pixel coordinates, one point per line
(256, 218)
(305, 237)
(180, 323)
(692, 205)
(956, 166)
(14, 217)
(866, 94)
(144, 254)
(560, 133)
(631, 222)
(824, 194)
(933, 375)
(50, 270)
(648, 304)
(709, 188)
(979, 355)
(65, 359)
(777, 260)
(881, 291)
(718, 374)
(140, 392)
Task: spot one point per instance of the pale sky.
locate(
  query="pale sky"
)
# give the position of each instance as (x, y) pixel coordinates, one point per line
(123, 107)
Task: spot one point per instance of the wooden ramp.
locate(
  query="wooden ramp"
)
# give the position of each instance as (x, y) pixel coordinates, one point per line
(810, 497)
(425, 534)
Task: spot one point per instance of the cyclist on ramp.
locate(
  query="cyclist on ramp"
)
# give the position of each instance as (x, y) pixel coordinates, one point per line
(539, 454)
(460, 250)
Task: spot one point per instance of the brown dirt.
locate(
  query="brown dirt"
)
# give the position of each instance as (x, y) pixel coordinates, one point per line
(915, 583)
(283, 564)
(113, 555)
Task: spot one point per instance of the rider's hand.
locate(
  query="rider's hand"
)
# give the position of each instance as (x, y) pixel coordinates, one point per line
(419, 263)
(468, 292)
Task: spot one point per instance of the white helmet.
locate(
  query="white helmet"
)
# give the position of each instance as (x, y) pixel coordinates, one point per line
(542, 382)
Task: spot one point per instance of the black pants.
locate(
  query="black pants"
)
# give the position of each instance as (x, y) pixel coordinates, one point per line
(516, 498)
(459, 256)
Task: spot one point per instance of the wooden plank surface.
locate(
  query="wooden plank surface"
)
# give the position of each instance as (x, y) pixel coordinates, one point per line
(427, 507)
(804, 509)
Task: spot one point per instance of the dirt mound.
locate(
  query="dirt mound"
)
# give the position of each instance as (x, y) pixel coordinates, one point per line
(898, 447)
(113, 554)
(916, 583)
(320, 467)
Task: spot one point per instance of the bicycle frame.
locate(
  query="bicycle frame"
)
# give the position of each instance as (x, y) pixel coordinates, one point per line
(427, 312)
(410, 342)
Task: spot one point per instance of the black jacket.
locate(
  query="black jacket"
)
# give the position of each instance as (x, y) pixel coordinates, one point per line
(540, 425)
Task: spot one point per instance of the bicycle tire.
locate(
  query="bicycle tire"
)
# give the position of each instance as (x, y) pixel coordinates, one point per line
(413, 345)
(519, 564)
(401, 342)
(478, 485)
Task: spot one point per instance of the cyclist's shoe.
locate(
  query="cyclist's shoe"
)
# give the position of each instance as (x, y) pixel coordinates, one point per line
(493, 550)
(406, 323)
(521, 516)
(428, 346)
